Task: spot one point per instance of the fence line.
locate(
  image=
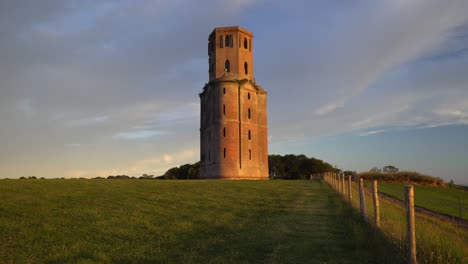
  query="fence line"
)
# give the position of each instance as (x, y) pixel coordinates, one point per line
(337, 182)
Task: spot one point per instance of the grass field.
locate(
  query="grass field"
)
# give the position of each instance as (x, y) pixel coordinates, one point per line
(437, 241)
(125, 221)
(438, 199)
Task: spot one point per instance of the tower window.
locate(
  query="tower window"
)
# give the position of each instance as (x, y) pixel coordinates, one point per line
(224, 132)
(250, 135)
(248, 96)
(224, 109)
(224, 90)
(227, 65)
(221, 41)
(250, 45)
(228, 41)
(250, 154)
(249, 113)
(245, 43)
(224, 152)
(240, 42)
(246, 68)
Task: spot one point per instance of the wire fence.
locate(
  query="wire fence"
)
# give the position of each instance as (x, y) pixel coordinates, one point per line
(431, 239)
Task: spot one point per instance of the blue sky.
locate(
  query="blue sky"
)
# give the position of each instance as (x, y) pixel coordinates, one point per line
(95, 88)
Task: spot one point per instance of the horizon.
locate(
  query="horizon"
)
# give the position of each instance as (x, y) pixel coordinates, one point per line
(111, 88)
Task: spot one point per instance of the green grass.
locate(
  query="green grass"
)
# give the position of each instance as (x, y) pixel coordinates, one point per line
(129, 221)
(437, 241)
(438, 199)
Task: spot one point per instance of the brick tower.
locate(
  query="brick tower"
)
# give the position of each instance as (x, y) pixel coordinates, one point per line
(233, 125)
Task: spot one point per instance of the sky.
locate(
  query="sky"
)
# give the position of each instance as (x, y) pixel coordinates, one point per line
(96, 88)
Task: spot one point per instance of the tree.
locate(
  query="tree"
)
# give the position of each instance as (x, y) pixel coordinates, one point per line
(295, 166)
(194, 171)
(349, 173)
(172, 173)
(275, 166)
(375, 169)
(390, 169)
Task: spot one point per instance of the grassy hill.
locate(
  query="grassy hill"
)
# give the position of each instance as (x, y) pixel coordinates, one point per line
(97, 221)
(438, 199)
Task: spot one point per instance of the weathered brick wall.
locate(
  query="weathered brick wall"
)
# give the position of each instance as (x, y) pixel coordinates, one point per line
(233, 143)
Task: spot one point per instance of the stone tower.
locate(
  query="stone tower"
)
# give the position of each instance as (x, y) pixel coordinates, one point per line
(233, 125)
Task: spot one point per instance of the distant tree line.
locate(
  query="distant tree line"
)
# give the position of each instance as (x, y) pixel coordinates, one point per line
(386, 169)
(280, 167)
(184, 172)
(30, 178)
(291, 167)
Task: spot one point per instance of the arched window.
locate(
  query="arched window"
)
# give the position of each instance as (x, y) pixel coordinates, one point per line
(227, 65)
(245, 43)
(224, 152)
(250, 45)
(224, 132)
(250, 154)
(246, 68)
(220, 41)
(248, 96)
(250, 135)
(228, 41)
(249, 113)
(224, 109)
(224, 90)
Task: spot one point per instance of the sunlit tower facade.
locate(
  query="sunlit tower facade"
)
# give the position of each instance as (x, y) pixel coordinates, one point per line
(233, 120)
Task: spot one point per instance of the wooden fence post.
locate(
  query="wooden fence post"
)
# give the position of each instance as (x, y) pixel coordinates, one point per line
(362, 199)
(343, 189)
(350, 196)
(334, 180)
(410, 222)
(339, 183)
(375, 198)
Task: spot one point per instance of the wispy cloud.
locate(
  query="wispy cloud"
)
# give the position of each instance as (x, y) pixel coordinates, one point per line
(111, 79)
(372, 132)
(87, 121)
(137, 135)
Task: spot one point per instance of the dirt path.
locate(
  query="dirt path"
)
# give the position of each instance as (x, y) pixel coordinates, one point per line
(455, 220)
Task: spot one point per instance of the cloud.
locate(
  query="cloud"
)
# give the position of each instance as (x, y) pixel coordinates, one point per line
(106, 74)
(372, 132)
(25, 106)
(329, 108)
(72, 145)
(87, 121)
(140, 134)
(364, 65)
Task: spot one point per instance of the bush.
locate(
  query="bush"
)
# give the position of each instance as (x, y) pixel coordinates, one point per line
(402, 176)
